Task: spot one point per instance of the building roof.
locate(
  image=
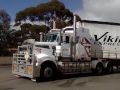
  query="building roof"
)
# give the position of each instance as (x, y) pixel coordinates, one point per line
(100, 22)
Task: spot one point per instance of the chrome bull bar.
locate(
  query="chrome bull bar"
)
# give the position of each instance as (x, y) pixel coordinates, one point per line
(24, 65)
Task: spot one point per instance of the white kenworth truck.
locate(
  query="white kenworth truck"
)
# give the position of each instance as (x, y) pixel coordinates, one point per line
(93, 46)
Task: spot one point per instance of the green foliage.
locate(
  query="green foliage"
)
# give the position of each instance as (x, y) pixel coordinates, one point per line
(59, 24)
(78, 18)
(38, 28)
(4, 20)
(47, 12)
(32, 31)
(4, 26)
(26, 26)
(34, 28)
(20, 16)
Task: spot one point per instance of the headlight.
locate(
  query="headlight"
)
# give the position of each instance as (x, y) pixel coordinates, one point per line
(26, 55)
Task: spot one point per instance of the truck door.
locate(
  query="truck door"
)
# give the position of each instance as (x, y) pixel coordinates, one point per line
(66, 51)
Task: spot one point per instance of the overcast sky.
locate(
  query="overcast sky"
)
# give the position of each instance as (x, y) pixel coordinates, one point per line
(104, 10)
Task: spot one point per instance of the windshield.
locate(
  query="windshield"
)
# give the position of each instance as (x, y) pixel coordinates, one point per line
(51, 37)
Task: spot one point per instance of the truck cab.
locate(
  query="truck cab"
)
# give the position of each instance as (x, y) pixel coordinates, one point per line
(56, 53)
(35, 59)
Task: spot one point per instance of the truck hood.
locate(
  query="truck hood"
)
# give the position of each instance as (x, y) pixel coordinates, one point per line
(47, 48)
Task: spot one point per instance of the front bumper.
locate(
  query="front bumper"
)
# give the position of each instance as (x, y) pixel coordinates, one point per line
(25, 68)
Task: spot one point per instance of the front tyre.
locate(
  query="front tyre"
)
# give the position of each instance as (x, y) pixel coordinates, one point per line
(47, 72)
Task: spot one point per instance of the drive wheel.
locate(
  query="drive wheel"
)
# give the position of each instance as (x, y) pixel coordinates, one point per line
(99, 69)
(109, 68)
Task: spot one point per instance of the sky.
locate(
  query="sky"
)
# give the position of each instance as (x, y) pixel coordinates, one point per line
(14, 6)
(100, 10)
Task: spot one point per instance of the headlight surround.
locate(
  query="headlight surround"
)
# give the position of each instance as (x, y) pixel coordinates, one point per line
(58, 50)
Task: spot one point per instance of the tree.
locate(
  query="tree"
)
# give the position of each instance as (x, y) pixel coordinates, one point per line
(4, 26)
(4, 20)
(60, 24)
(47, 12)
(30, 31)
(78, 18)
(26, 26)
(36, 29)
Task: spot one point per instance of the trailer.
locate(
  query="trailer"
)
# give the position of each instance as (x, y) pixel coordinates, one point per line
(94, 46)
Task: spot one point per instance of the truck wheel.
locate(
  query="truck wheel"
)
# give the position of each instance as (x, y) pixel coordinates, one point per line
(99, 69)
(109, 68)
(47, 72)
